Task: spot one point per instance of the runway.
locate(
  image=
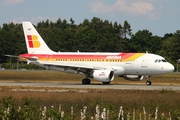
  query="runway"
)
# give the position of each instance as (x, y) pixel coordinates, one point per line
(91, 86)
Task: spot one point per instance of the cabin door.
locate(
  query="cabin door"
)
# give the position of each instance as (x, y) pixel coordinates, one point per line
(144, 62)
(48, 58)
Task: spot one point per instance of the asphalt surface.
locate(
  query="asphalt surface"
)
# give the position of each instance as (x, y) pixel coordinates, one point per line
(91, 86)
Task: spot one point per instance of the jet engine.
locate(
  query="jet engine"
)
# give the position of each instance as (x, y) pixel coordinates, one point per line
(103, 75)
(133, 77)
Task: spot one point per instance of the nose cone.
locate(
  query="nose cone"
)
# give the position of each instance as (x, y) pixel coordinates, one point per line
(169, 68)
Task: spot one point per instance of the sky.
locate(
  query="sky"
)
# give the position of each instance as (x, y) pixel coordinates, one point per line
(157, 16)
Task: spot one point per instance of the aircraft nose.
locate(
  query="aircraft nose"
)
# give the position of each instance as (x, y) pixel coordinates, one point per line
(170, 68)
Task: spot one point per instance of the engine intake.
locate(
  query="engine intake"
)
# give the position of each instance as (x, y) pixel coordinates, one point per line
(103, 75)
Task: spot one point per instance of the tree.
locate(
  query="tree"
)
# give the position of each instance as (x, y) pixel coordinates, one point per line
(143, 41)
(170, 47)
(167, 35)
(11, 40)
(126, 30)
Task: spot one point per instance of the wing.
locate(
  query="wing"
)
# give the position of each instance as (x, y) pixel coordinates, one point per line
(78, 69)
(23, 58)
(60, 66)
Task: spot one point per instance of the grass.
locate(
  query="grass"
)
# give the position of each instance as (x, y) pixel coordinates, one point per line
(166, 100)
(55, 76)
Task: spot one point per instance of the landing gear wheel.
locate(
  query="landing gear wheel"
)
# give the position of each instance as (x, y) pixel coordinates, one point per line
(106, 83)
(86, 81)
(148, 82)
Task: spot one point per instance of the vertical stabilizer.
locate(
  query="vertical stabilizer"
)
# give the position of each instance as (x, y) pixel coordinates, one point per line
(34, 42)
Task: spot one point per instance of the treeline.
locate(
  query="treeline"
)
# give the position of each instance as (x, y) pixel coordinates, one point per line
(95, 35)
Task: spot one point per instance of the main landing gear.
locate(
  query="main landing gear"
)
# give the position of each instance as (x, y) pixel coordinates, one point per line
(106, 83)
(148, 82)
(86, 81)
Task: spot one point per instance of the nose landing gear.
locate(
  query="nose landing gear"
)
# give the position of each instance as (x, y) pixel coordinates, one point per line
(148, 82)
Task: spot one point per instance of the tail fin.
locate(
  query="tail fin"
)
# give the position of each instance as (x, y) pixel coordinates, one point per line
(34, 42)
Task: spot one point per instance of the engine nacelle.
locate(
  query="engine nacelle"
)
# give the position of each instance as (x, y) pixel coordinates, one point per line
(133, 77)
(103, 75)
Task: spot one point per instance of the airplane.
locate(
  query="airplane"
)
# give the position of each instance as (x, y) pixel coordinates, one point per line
(102, 67)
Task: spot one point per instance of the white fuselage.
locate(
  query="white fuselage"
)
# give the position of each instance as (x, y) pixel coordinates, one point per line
(145, 64)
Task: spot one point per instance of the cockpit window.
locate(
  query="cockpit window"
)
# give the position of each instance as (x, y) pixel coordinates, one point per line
(156, 61)
(160, 60)
(164, 60)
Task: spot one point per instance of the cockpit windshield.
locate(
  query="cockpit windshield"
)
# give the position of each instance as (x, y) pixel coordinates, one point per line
(160, 60)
